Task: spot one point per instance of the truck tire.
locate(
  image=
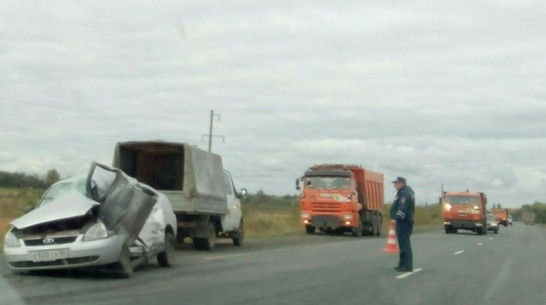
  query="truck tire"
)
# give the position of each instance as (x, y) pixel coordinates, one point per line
(166, 258)
(206, 243)
(374, 227)
(357, 232)
(379, 224)
(310, 230)
(239, 235)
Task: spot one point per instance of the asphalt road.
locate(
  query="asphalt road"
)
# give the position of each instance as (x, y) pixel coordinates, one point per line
(508, 268)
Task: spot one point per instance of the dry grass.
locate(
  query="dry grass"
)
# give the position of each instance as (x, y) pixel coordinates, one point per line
(12, 205)
(269, 221)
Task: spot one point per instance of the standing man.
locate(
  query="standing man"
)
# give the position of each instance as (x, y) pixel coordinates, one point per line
(402, 211)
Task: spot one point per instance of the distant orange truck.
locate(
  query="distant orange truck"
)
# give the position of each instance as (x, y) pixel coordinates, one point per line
(464, 211)
(339, 198)
(501, 215)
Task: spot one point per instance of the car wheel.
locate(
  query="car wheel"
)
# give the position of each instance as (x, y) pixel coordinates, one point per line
(239, 236)
(166, 258)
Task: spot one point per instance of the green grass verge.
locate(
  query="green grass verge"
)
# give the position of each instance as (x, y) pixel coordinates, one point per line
(13, 202)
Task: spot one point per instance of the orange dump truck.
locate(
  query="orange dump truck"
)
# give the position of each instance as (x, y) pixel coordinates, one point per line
(465, 211)
(501, 215)
(339, 198)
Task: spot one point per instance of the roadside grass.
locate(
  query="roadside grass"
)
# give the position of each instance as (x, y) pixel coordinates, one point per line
(427, 218)
(281, 220)
(13, 202)
(272, 221)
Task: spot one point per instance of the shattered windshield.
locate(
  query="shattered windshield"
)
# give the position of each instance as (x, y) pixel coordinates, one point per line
(62, 188)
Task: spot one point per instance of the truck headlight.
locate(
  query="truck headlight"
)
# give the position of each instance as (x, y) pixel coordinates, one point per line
(96, 231)
(305, 215)
(447, 207)
(348, 216)
(11, 241)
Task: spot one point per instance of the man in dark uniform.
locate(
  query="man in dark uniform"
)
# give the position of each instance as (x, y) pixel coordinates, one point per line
(402, 211)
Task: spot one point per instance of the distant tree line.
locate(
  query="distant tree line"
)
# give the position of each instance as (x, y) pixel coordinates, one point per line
(539, 208)
(21, 180)
(262, 199)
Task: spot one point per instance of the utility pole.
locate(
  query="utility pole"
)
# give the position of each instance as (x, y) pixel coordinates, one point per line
(210, 135)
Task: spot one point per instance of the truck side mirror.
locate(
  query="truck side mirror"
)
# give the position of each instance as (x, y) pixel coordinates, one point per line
(243, 193)
(298, 184)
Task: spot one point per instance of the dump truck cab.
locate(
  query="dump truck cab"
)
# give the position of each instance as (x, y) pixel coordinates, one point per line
(465, 211)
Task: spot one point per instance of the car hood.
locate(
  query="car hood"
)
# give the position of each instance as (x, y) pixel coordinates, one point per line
(73, 204)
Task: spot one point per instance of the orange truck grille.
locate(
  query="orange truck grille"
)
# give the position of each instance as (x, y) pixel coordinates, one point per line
(326, 206)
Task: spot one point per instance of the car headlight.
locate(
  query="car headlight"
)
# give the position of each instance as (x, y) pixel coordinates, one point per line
(96, 231)
(10, 240)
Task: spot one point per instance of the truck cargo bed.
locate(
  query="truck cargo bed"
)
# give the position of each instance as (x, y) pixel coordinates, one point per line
(192, 179)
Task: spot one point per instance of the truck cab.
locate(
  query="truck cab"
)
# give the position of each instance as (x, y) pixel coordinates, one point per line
(464, 211)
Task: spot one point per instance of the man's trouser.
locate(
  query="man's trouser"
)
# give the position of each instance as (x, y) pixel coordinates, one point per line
(403, 233)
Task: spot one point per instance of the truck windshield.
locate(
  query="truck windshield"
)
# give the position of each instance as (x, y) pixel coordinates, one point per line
(328, 183)
(463, 200)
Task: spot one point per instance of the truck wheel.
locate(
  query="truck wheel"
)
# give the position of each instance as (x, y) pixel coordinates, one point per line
(238, 238)
(124, 266)
(379, 224)
(197, 243)
(166, 258)
(208, 243)
(374, 228)
(357, 232)
(310, 230)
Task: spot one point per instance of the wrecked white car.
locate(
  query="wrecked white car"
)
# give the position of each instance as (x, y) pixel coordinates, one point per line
(103, 219)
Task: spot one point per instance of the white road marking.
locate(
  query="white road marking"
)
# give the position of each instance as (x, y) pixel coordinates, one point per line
(458, 252)
(479, 244)
(404, 275)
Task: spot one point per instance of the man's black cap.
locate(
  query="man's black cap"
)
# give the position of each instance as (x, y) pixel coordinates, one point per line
(400, 179)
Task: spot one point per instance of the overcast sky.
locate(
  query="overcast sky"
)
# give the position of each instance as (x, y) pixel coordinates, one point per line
(440, 92)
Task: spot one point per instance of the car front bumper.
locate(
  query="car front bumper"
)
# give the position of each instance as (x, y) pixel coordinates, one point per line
(80, 254)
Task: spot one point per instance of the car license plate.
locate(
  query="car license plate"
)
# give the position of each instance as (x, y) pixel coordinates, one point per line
(49, 255)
